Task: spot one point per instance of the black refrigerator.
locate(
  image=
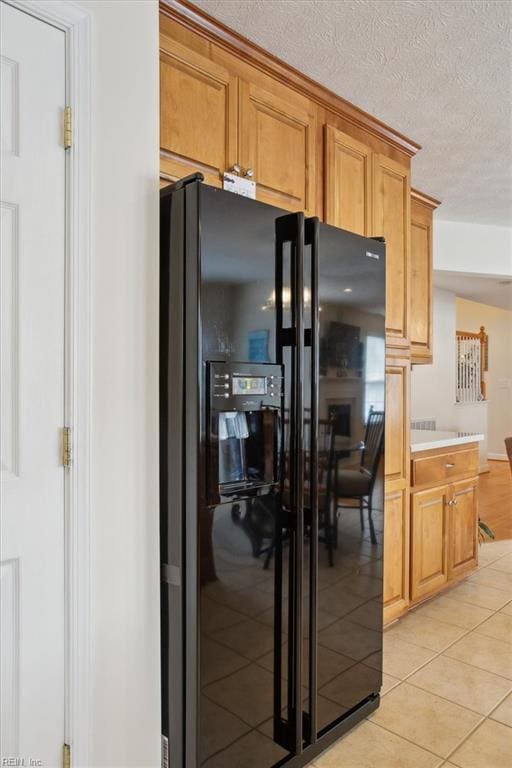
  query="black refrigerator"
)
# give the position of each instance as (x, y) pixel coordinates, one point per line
(272, 355)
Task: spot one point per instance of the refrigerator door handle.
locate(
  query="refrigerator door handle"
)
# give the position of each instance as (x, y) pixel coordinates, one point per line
(312, 230)
(288, 732)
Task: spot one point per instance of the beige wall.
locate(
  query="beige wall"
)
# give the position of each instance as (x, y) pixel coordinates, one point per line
(433, 386)
(459, 245)
(498, 324)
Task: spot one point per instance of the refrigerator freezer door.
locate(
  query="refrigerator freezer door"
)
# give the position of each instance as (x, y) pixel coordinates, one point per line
(245, 558)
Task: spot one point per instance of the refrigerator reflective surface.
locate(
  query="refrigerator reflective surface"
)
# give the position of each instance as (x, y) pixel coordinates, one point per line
(289, 471)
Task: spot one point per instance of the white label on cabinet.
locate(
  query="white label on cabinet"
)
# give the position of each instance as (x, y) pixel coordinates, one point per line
(239, 185)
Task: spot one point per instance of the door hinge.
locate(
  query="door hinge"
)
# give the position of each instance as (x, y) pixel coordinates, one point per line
(66, 447)
(68, 132)
(66, 756)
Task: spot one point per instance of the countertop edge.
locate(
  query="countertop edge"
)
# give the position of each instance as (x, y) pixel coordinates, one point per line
(446, 442)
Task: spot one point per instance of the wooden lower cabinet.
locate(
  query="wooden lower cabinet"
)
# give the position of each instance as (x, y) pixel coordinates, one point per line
(429, 529)
(444, 522)
(463, 533)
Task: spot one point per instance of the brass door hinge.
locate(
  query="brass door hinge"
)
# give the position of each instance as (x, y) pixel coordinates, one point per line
(68, 132)
(66, 447)
(66, 756)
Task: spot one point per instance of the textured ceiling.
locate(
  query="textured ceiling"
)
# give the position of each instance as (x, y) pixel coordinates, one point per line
(486, 289)
(439, 71)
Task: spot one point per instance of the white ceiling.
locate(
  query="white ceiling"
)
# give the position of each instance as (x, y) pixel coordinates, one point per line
(493, 290)
(439, 71)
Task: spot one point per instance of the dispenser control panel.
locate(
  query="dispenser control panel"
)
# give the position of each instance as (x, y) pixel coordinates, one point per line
(244, 386)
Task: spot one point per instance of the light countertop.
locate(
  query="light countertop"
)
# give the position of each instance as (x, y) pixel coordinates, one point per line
(425, 439)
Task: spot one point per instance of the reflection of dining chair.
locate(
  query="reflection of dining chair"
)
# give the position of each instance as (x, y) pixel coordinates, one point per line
(256, 517)
(508, 446)
(352, 483)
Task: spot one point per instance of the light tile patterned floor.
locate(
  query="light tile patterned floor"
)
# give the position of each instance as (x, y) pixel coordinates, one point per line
(447, 696)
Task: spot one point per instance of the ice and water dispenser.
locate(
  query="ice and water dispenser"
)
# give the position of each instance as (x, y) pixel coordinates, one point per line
(244, 425)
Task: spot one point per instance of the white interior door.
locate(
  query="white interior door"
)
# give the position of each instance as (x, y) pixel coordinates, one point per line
(32, 400)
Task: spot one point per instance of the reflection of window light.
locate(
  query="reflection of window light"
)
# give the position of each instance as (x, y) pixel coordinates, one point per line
(374, 373)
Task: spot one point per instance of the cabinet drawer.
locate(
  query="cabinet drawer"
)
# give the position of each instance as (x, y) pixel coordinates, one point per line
(444, 467)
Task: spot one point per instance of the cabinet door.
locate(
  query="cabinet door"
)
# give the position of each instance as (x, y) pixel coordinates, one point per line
(277, 141)
(396, 554)
(429, 535)
(397, 448)
(463, 533)
(421, 283)
(348, 179)
(391, 208)
(198, 115)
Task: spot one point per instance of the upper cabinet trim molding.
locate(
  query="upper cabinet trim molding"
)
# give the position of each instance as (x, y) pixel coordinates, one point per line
(425, 199)
(214, 31)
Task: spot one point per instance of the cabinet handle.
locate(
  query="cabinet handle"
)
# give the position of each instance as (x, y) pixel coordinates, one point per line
(235, 169)
(249, 173)
(449, 466)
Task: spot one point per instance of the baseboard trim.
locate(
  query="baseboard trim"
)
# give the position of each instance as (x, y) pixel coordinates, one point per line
(497, 456)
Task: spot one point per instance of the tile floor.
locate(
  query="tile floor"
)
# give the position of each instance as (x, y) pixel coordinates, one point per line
(447, 696)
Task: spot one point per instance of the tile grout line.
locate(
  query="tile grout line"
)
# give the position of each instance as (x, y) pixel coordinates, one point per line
(463, 741)
(496, 707)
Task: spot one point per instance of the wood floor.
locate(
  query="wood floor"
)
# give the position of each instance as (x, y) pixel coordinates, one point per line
(495, 499)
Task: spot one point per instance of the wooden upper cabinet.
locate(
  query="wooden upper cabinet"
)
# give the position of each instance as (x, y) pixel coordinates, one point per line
(348, 182)
(391, 219)
(429, 534)
(420, 326)
(198, 114)
(277, 142)
(463, 545)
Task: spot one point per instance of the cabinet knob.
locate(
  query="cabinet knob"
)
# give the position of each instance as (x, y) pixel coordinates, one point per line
(449, 465)
(235, 169)
(249, 173)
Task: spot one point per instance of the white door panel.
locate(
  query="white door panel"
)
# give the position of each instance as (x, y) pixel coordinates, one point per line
(32, 402)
